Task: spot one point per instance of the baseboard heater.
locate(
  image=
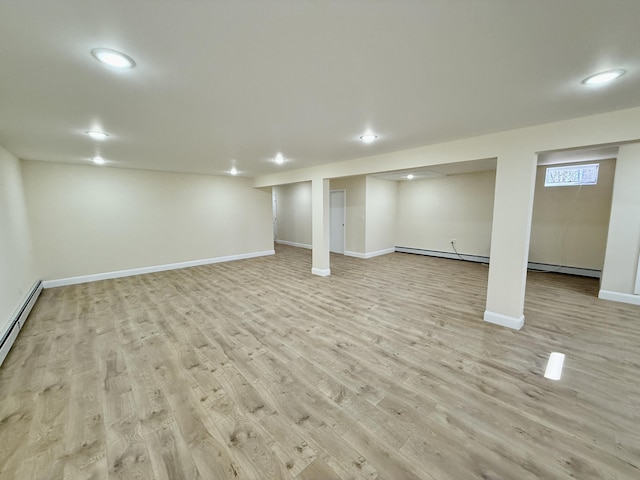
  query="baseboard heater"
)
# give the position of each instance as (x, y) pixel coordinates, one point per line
(539, 267)
(18, 321)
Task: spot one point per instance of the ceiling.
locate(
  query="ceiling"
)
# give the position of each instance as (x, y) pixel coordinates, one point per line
(222, 83)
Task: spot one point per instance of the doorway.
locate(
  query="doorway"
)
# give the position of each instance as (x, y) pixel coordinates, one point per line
(274, 200)
(337, 208)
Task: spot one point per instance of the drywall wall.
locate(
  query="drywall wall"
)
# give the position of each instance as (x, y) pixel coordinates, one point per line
(17, 272)
(569, 225)
(381, 200)
(623, 242)
(88, 219)
(433, 211)
(355, 194)
(293, 213)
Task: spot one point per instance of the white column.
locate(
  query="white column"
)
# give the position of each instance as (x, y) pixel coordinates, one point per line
(512, 209)
(320, 226)
(621, 272)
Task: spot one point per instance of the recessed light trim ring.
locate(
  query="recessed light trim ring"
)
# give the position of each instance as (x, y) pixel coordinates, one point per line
(604, 77)
(113, 58)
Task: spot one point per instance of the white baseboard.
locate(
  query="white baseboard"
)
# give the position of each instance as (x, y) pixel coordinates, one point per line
(156, 268)
(294, 244)
(504, 320)
(619, 297)
(17, 322)
(370, 254)
(321, 272)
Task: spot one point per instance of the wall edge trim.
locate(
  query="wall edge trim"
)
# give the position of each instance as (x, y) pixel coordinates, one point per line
(504, 320)
(61, 282)
(619, 297)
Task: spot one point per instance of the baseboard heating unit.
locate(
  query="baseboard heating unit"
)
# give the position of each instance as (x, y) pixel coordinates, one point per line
(18, 320)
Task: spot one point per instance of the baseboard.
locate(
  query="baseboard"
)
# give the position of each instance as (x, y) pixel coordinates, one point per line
(581, 272)
(370, 254)
(619, 297)
(294, 244)
(439, 254)
(535, 266)
(321, 272)
(18, 320)
(504, 320)
(156, 268)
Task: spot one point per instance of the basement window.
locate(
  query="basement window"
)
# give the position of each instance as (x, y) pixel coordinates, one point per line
(571, 175)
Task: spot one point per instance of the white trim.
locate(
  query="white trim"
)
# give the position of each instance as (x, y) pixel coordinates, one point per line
(379, 252)
(637, 289)
(321, 272)
(504, 320)
(370, 254)
(156, 268)
(294, 244)
(19, 319)
(619, 297)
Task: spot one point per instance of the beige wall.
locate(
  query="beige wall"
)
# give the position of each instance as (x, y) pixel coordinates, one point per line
(623, 243)
(570, 224)
(17, 272)
(433, 211)
(355, 194)
(381, 199)
(294, 213)
(87, 220)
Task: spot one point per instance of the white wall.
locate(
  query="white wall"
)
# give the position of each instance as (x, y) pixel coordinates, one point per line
(17, 272)
(569, 225)
(381, 200)
(294, 213)
(88, 219)
(355, 193)
(433, 211)
(623, 243)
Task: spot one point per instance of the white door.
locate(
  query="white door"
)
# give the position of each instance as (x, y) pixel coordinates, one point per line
(274, 198)
(337, 219)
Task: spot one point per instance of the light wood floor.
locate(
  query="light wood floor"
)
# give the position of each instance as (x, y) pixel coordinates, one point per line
(256, 369)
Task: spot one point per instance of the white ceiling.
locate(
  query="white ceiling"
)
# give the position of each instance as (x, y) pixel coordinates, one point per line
(233, 82)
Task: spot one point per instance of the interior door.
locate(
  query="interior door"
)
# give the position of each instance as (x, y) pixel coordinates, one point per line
(274, 199)
(337, 221)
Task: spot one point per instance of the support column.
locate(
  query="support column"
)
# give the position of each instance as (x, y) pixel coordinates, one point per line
(510, 234)
(320, 226)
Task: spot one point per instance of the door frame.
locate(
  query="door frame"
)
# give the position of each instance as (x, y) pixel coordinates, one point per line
(344, 216)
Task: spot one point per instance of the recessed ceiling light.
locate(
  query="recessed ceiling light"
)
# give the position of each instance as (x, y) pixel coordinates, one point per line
(96, 135)
(604, 77)
(368, 137)
(113, 58)
(410, 176)
(233, 171)
(98, 160)
(279, 159)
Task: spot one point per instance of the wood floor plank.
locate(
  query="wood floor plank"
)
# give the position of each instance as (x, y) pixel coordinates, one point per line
(256, 370)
